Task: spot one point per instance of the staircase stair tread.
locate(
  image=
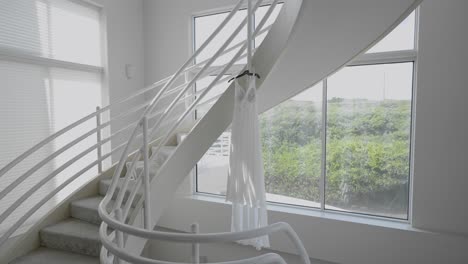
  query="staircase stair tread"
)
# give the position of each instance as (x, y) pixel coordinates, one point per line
(88, 203)
(87, 209)
(166, 149)
(52, 256)
(164, 153)
(105, 184)
(72, 235)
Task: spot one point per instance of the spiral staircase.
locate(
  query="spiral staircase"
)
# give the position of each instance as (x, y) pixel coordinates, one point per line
(110, 218)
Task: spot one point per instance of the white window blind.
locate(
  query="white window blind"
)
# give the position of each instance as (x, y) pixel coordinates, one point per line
(39, 96)
(56, 29)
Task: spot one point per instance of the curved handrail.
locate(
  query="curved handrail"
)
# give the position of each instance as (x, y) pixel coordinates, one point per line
(32, 189)
(107, 243)
(169, 109)
(165, 113)
(222, 237)
(82, 120)
(43, 181)
(35, 187)
(119, 168)
(119, 224)
(256, 32)
(113, 186)
(56, 172)
(218, 77)
(49, 196)
(200, 70)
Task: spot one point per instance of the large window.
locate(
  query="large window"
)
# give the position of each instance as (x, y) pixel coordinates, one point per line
(368, 139)
(50, 76)
(342, 145)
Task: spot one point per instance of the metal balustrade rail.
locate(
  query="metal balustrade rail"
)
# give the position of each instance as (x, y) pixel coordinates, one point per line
(156, 122)
(116, 217)
(98, 131)
(100, 158)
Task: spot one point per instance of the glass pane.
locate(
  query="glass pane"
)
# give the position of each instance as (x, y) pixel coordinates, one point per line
(206, 25)
(368, 139)
(291, 142)
(212, 169)
(259, 14)
(208, 100)
(292, 149)
(401, 38)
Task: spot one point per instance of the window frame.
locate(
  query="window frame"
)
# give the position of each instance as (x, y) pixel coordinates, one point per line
(387, 57)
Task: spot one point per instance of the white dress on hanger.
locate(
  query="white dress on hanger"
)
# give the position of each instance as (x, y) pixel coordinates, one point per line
(246, 184)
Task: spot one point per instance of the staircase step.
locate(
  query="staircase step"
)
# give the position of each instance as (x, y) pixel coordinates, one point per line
(165, 152)
(162, 156)
(87, 209)
(72, 235)
(181, 137)
(104, 186)
(52, 256)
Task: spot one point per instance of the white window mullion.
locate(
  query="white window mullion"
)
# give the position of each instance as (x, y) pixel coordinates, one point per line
(323, 175)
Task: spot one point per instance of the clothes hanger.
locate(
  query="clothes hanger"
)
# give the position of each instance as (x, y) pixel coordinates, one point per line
(246, 72)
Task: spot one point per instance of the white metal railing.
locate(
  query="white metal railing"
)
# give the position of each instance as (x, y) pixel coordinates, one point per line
(100, 141)
(155, 122)
(119, 217)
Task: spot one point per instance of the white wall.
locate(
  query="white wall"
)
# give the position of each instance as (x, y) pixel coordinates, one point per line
(441, 160)
(124, 32)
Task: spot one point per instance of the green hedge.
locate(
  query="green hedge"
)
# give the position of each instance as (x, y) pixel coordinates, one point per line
(367, 152)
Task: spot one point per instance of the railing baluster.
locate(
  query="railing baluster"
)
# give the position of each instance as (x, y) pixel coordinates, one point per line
(195, 246)
(119, 235)
(99, 138)
(186, 94)
(249, 34)
(146, 174)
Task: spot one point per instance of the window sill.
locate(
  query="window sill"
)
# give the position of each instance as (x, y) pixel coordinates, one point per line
(291, 210)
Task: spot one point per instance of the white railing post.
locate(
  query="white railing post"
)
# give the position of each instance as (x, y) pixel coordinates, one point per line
(119, 234)
(188, 77)
(195, 246)
(249, 34)
(146, 174)
(99, 138)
